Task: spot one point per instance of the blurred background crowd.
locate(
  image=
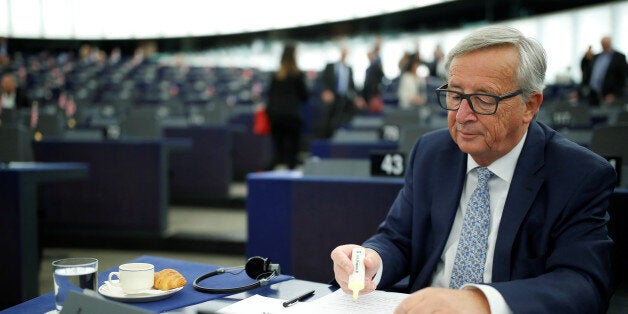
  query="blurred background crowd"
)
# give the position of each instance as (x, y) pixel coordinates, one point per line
(94, 82)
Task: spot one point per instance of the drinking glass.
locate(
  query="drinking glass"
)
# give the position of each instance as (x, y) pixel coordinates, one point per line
(73, 274)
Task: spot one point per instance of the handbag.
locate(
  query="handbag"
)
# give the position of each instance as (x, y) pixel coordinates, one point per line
(261, 123)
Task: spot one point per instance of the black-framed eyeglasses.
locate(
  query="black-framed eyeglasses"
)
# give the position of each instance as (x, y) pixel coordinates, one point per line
(480, 103)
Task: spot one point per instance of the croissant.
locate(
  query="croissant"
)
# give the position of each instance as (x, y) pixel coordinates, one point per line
(168, 279)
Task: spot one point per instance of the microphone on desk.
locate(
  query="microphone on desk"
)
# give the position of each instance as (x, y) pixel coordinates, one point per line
(257, 268)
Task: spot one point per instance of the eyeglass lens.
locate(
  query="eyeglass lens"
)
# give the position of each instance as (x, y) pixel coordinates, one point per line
(451, 100)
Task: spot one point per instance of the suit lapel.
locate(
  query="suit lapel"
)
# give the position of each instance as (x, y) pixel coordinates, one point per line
(448, 181)
(525, 184)
(446, 201)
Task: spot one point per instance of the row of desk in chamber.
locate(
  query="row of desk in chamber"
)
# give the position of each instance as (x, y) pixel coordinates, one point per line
(118, 188)
(125, 187)
(138, 178)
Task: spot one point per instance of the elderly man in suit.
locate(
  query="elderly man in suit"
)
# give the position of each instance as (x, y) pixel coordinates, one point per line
(499, 213)
(607, 74)
(339, 96)
(12, 96)
(12, 99)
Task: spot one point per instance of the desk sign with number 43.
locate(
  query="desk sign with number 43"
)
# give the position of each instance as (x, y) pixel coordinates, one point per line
(388, 164)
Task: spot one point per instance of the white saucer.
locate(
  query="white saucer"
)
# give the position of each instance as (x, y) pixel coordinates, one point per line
(117, 294)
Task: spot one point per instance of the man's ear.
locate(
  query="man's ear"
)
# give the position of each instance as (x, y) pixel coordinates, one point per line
(533, 103)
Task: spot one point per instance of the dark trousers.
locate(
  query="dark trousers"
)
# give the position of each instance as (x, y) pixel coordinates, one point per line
(338, 113)
(594, 98)
(286, 135)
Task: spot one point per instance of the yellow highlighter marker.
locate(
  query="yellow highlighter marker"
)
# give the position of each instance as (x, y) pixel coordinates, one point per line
(356, 279)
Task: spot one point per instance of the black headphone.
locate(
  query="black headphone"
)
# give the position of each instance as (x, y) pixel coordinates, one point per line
(257, 268)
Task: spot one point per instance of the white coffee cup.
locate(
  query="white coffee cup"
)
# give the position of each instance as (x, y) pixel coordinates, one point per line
(134, 277)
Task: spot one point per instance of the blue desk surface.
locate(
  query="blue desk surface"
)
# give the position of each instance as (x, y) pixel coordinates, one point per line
(176, 143)
(61, 168)
(331, 149)
(284, 290)
(186, 297)
(292, 175)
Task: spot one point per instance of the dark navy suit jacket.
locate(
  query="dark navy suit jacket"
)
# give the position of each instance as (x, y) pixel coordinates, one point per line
(552, 253)
(615, 76)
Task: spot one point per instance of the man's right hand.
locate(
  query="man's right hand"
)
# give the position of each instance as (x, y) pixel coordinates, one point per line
(341, 256)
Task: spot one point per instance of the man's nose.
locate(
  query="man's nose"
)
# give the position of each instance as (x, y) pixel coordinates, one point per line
(464, 111)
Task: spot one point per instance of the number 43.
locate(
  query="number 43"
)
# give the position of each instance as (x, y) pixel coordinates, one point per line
(392, 164)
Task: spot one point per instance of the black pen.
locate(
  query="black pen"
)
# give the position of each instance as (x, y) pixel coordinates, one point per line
(299, 298)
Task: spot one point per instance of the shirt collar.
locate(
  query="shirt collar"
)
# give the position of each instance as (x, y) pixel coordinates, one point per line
(504, 167)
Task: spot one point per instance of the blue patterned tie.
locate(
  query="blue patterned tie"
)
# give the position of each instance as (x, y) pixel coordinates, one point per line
(471, 254)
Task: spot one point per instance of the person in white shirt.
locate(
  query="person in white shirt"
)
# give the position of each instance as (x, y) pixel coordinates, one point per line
(11, 96)
(412, 87)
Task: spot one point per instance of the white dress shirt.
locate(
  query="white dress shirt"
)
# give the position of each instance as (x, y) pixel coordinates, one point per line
(342, 74)
(410, 86)
(7, 101)
(499, 184)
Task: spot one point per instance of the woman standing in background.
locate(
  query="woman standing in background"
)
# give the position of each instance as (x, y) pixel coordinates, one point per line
(412, 87)
(286, 94)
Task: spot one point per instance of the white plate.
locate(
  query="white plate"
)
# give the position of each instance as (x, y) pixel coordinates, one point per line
(117, 294)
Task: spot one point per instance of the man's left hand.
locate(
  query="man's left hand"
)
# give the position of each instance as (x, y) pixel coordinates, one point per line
(441, 300)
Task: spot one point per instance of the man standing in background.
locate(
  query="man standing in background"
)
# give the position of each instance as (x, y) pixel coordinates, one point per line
(340, 98)
(4, 51)
(12, 97)
(372, 90)
(607, 75)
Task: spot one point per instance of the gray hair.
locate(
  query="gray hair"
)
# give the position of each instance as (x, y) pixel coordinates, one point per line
(532, 60)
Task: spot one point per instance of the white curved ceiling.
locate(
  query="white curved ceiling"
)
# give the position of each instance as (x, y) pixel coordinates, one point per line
(124, 19)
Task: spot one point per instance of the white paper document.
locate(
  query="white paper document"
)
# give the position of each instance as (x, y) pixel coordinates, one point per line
(376, 302)
(255, 304)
